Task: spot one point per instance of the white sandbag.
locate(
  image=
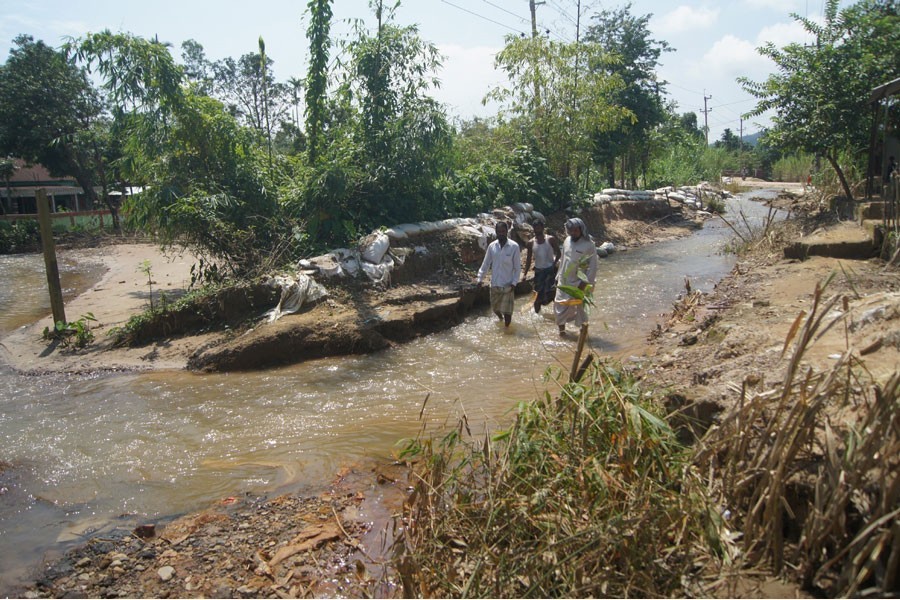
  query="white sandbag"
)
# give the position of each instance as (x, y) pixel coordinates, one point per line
(374, 246)
(611, 191)
(607, 247)
(380, 273)
(396, 234)
(477, 233)
(529, 207)
(536, 216)
(294, 294)
(410, 229)
(601, 252)
(350, 265)
(519, 207)
(427, 226)
(399, 255)
(327, 265)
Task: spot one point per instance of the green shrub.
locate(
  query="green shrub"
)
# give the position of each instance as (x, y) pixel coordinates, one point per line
(19, 236)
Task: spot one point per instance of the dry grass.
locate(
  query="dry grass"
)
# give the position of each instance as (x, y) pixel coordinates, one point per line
(817, 497)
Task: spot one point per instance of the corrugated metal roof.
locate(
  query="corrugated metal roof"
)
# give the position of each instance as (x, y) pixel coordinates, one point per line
(883, 91)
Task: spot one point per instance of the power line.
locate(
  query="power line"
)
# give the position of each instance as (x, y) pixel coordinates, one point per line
(519, 31)
(563, 12)
(509, 12)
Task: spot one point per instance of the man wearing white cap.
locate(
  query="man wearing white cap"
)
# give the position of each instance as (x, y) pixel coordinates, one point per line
(578, 268)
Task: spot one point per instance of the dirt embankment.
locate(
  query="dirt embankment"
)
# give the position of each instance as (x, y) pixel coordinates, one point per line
(433, 290)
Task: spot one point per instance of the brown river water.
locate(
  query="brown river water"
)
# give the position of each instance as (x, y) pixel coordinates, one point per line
(87, 454)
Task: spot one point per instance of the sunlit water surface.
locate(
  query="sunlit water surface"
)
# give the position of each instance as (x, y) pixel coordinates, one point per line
(86, 453)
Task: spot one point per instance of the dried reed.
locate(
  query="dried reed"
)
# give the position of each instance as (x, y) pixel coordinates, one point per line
(783, 461)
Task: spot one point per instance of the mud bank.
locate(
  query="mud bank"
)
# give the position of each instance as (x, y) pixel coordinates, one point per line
(433, 290)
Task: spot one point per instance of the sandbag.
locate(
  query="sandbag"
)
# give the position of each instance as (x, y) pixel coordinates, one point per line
(374, 246)
(396, 234)
(381, 273)
(294, 294)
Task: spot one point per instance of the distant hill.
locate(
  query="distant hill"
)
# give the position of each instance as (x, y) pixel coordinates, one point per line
(752, 138)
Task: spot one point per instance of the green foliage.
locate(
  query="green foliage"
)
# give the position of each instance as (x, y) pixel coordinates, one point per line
(75, 334)
(820, 92)
(317, 75)
(627, 37)
(208, 189)
(559, 95)
(19, 236)
(388, 141)
(47, 105)
(147, 269)
(588, 494)
(795, 167)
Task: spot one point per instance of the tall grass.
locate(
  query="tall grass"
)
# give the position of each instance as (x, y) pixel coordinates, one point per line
(796, 167)
(587, 494)
(815, 495)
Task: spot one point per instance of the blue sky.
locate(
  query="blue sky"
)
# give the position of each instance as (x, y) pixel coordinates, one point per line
(714, 42)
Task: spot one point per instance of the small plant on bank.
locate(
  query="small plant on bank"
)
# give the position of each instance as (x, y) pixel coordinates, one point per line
(147, 269)
(75, 334)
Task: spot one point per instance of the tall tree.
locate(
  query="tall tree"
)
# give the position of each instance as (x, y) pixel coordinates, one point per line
(46, 105)
(317, 76)
(143, 89)
(627, 37)
(265, 90)
(573, 103)
(820, 92)
(197, 68)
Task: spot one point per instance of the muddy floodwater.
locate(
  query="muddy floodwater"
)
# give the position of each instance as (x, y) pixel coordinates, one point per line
(81, 454)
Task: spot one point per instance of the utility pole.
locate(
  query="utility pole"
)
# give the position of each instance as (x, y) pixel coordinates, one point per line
(706, 112)
(532, 5)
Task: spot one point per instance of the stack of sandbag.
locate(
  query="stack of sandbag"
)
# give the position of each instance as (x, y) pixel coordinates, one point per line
(692, 195)
(619, 195)
(372, 257)
(408, 230)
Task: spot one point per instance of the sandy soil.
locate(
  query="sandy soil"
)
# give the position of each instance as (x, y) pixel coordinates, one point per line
(122, 292)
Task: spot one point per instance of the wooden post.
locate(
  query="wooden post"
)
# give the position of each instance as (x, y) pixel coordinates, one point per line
(56, 299)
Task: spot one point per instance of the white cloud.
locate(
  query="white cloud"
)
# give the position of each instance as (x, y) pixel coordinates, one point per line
(782, 6)
(731, 57)
(685, 18)
(782, 34)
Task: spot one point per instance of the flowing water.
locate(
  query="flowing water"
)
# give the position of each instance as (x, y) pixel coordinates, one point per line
(79, 454)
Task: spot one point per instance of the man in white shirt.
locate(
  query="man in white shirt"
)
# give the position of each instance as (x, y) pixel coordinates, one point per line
(578, 268)
(504, 262)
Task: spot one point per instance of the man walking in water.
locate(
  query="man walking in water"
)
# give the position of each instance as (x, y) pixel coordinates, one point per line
(504, 262)
(578, 268)
(545, 249)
